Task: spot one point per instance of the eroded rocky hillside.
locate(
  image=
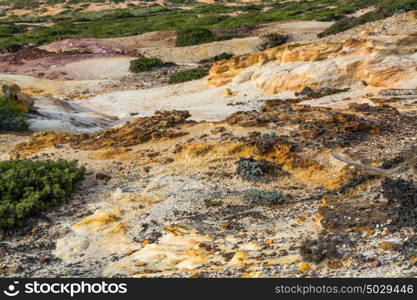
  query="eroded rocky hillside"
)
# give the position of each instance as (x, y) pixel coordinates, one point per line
(299, 160)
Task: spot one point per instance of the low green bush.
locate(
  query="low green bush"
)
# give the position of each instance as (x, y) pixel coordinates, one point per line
(194, 36)
(12, 118)
(251, 169)
(272, 40)
(188, 75)
(144, 64)
(347, 23)
(222, 56)
(109, 23)
(10, 30)
(198, 35)
(213, 203)
(27, 187)
(264, 197)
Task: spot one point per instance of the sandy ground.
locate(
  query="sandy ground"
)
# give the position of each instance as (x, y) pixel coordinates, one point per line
(96, 68)
(203, 102)
(98, 112)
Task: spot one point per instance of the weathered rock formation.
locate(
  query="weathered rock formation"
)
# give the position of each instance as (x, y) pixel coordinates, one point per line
(371, 60)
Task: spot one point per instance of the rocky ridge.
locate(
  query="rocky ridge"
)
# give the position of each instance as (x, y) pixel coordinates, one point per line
(369, 59)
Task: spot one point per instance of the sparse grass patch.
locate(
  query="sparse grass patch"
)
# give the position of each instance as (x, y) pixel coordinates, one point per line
(222, 56)
(194, 36)
(213, 203)
(144, 64)
(188, 75)
(261, 197)
(385, 10)
(12, 117)
(326, 91)
(251, 169)
(197, 35)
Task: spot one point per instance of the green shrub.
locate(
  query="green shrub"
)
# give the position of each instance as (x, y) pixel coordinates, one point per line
(341, 25)
(222, 56)
(264, 197)
(326, 91)
(27, 187)
(251, 169)
(12, 118)
(347, 23)
(188, 75)
(213, 203)
(21, 4)
(107, 24)
(10, 30)
(194, 36)
(144, 64)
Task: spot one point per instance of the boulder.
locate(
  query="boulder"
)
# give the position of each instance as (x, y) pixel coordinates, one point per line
(13, 92)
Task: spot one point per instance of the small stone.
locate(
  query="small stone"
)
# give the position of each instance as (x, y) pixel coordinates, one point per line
(282, 252)
(218, 130)
(375, 264)
(304, 267)
(145, 242)
(227, 92)
(104, 177)
(412, 259)
(14, 269)
(44, 259)
(225, 225)
(305, 91)
(386, 246)
(384, 232)
(333, 264)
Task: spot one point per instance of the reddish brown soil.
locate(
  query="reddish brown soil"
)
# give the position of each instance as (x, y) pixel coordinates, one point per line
(38, 63)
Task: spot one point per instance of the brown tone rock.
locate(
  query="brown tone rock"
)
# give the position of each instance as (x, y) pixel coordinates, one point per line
(13, 91)
(338, 64)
